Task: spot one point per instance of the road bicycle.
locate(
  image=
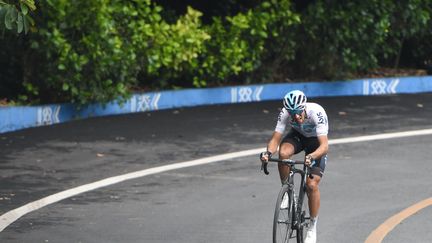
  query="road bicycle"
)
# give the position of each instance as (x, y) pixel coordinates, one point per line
(294, 215)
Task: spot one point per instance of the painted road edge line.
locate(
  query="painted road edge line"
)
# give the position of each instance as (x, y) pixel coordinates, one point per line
(379, 233)
(13, 215)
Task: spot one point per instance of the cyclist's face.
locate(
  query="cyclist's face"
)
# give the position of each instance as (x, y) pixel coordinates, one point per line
(297, 115)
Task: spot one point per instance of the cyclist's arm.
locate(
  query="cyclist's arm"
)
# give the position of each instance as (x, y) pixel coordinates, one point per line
(273, 144)
(320, 118)
(276, 138)
(322, 148)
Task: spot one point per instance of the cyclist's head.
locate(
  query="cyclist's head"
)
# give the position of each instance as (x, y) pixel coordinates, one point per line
(295, 102)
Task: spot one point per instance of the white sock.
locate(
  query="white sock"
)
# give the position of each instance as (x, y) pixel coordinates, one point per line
(313, 223)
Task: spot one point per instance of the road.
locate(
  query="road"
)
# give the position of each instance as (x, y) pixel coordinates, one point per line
(229, 201)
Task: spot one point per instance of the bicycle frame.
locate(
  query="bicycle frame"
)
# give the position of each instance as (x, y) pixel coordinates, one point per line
(298, 221)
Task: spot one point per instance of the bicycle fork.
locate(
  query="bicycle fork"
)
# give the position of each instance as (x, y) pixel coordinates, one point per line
(295, 216)
(299, 220)
(300, 211)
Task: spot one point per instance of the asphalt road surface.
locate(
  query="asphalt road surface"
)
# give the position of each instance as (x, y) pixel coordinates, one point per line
(364, 184)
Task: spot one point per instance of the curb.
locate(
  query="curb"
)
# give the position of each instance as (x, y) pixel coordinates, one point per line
(21, 117)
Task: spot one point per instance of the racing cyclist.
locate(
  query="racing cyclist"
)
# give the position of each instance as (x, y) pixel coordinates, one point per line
(308, 132)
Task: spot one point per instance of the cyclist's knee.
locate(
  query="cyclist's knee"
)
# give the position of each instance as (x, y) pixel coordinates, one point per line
(312, 186)
(284, 155)
(286, 150)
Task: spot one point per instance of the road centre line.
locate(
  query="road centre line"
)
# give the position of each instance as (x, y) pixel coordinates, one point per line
(13, 215)
(379, 233)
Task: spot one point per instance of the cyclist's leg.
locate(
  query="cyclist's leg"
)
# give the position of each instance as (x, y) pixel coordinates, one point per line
(317, 170)
(286, 150)
(313, 191)
(313, 195)
(289, 146)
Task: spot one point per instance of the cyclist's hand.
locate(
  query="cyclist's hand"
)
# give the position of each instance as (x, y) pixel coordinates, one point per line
(265, 156)
(308, 160)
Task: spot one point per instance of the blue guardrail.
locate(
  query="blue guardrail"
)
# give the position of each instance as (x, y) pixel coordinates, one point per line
(15, 118)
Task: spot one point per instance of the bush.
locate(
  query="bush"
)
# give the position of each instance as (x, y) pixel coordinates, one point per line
(240, 43)
(340, 38)
(101, 50)
(357, 36)
(83, 56)
(96, 55)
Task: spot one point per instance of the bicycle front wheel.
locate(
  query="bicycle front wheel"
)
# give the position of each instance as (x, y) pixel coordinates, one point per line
(304, 221)
(282, 222)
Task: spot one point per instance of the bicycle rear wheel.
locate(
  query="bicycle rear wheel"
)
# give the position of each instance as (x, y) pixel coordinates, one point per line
(283, 216)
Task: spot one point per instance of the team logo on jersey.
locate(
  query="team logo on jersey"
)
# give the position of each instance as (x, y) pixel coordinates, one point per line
(308, 128)
(321, 118)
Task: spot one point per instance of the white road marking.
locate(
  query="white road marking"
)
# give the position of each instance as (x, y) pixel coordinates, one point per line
(213, 177)
(13, 215)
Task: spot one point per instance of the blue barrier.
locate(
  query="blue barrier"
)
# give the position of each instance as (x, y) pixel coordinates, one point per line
(15, 118)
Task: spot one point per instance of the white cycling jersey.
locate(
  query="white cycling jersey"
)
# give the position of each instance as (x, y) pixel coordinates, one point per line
(315, 124)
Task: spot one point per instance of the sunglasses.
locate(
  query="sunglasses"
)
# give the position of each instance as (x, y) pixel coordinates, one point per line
(295, 112)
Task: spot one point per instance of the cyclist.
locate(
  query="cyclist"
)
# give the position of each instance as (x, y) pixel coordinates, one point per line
(309, 129)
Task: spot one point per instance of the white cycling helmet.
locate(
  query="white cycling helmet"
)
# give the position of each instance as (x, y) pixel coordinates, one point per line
(295, 100)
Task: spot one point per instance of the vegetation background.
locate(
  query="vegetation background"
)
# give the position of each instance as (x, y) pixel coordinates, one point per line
(96, 51)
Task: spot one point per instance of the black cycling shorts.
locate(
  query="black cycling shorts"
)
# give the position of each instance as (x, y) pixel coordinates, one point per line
(309, 145)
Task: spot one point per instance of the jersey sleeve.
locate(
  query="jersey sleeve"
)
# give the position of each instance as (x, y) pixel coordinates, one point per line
(321, 121)
(281, 122)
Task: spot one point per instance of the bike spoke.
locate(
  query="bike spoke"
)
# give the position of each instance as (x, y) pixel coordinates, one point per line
(283, 219)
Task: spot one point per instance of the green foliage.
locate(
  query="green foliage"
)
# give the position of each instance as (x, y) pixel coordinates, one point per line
(241, 42)
(85, 58)
(15, 16)
(409, 20)
(100, 50)
(171, 49)
(353, 37)
(96, 55)
(342, 37)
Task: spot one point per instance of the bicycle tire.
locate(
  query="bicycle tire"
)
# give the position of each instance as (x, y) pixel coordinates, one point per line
(282, 221)
(304, 221)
